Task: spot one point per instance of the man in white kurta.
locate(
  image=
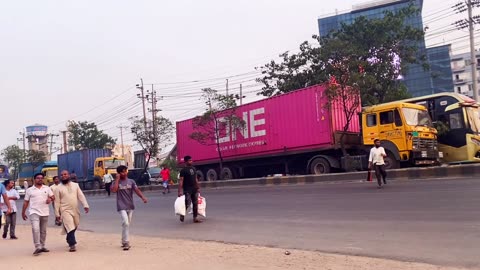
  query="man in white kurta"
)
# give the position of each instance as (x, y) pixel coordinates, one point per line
(67, 196)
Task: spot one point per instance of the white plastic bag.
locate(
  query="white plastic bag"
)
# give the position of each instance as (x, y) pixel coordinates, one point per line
(180, 206)
(202, 206)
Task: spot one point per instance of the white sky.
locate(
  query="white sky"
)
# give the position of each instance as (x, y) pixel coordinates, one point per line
(80, 60)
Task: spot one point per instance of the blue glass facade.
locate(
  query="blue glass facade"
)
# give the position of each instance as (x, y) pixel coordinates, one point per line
(418, 81)
(440, 60)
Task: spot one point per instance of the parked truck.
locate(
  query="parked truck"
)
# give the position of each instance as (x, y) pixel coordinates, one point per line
(297, 133)
(90, 165)
(28, 170)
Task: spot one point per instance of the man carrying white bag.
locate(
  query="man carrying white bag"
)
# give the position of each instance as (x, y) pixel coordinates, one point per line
(181, 210)
(188, 192)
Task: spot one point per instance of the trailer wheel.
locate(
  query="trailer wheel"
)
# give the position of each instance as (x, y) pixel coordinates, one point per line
(212, 175)
(200, 175)
(391, 162)
(320, 166)
(227, 174)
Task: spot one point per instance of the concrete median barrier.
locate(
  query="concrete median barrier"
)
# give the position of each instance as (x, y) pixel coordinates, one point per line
(453, 171)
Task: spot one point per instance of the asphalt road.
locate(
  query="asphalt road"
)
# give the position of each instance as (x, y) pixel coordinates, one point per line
(432, 221)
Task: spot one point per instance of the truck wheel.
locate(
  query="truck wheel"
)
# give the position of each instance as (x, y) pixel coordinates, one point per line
(320, 166)
(212, 175)
(201, 175)
(227, 173)
(96, 185)
(391, 162)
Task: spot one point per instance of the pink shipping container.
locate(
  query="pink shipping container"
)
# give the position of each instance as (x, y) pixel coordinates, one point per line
(288, 124)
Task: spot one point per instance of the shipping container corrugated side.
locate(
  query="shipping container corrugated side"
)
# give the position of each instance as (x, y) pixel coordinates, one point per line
(81, 161)
(290, 122)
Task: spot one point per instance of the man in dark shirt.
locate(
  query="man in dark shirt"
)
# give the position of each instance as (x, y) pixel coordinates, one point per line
(188, 186)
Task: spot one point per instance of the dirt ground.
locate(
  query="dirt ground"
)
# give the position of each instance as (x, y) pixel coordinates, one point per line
(102, 251)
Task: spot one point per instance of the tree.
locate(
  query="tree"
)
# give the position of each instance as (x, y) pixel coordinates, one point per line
(85, 135)
(14, 156)
(385, 46)
(220, 115)
(152, 140)
(347, 80)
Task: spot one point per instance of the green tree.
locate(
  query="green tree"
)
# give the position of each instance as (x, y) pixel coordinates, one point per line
(152, 140)
(385, 47)
(220, 115)
(85, 135)
(14, 156)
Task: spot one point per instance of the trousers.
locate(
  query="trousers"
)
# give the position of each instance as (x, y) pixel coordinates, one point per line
(11, 222)
(126, 220)
(39, 230)
(381, 174)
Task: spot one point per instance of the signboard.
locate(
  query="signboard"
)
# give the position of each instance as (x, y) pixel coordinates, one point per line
(37, 130)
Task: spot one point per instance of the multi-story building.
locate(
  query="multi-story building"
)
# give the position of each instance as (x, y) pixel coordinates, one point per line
(418, 80)
(462, 73)
(439, 59)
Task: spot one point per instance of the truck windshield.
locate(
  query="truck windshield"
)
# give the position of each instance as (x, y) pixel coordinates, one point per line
(473, 115)
(51, 173)
(114, 163)
(416, 117)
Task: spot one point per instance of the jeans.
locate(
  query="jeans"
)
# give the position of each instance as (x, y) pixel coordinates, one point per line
(39, 230)
(126, 220)
(381, 174)
(11, 223)
(191, 197)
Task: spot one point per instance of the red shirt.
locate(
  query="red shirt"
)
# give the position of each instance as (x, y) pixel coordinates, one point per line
(165, 174)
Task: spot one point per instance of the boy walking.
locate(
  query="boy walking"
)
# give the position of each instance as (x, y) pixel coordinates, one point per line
(124, 187)
(165, 179)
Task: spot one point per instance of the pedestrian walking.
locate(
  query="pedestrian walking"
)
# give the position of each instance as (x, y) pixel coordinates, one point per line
(56, 183)
(37, 198)
(68, 195)
(188, 186)
(11, 219)
(165, 179)
(124, 187)
(25, 185)
(6, 202)
(108, 179)
(377, 162)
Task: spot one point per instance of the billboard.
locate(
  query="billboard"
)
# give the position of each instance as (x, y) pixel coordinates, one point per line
(37, 130)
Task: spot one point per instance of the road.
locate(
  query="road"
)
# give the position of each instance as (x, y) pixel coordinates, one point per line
(431, 221)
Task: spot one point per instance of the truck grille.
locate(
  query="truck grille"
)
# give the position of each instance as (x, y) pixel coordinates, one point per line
(424, 144)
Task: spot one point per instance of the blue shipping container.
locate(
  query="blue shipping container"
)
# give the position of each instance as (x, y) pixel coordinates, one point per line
(81, 161)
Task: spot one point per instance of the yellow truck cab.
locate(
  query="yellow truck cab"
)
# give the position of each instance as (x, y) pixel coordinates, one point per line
(405, 130)
(104, 165)
(49, 173)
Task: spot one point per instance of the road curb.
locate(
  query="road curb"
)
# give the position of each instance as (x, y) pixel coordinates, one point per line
(400, 174)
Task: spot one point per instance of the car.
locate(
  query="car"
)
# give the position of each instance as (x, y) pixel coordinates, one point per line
(155, 176)
(20, 190)
(139, 175)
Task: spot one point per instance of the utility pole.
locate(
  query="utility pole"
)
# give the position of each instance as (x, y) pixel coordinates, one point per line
(154, 111)
(65, 146)
(143, 97)
(472, 50)
(23, 139)
(121, 139)
(51, 144)
(241, 95)
(470, 24)
(227, 87)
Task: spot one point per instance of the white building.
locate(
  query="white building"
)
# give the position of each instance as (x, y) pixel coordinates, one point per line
(462, 73)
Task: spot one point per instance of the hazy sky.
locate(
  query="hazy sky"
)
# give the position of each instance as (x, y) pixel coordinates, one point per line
(80, 60)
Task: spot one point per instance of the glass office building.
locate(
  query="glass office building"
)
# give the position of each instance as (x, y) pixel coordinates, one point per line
(440, 61)
(418, 80)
